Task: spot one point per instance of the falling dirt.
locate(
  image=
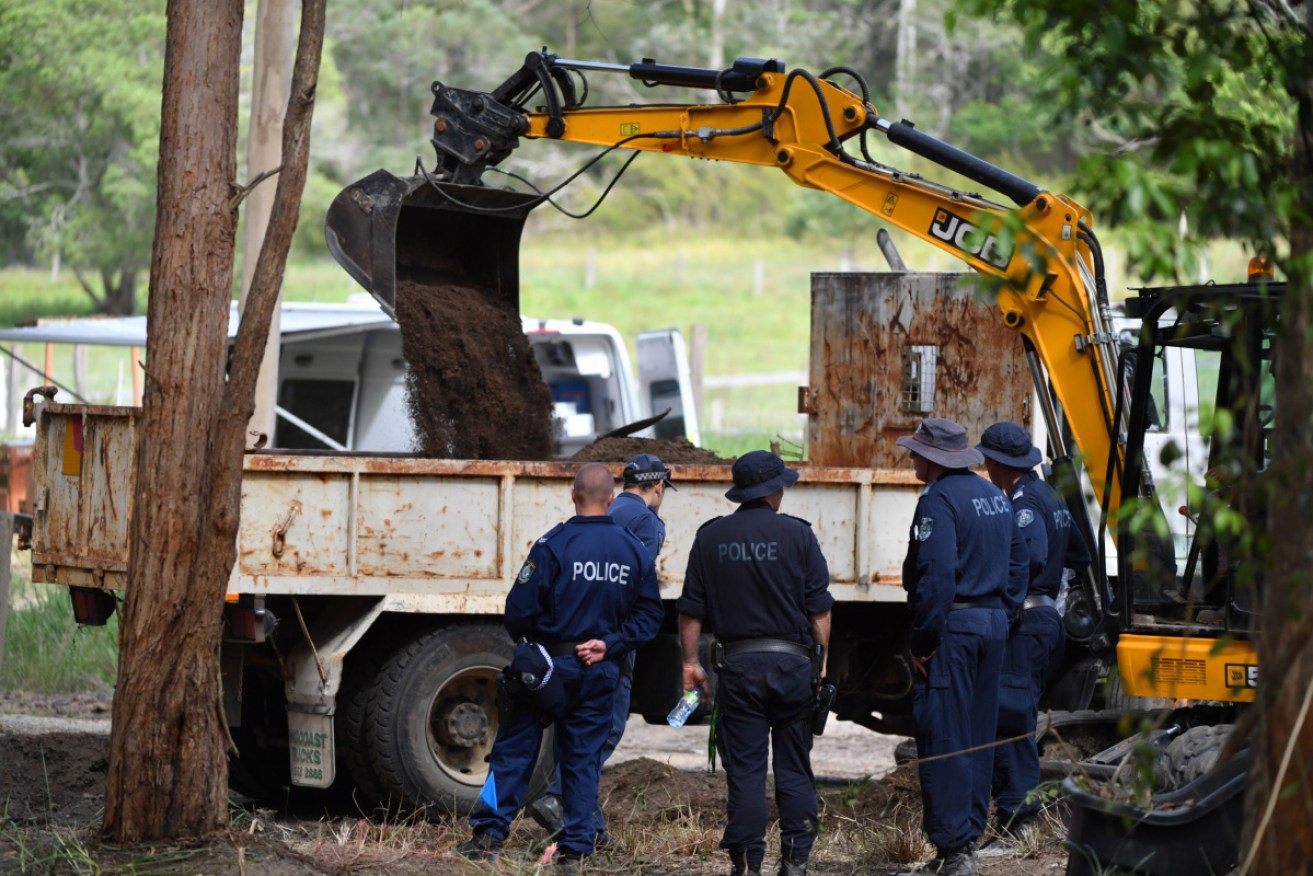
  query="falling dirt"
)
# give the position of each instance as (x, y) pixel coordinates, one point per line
(474, 388)
(673, 452)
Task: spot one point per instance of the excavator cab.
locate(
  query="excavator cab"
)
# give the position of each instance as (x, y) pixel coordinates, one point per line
(1190, 639)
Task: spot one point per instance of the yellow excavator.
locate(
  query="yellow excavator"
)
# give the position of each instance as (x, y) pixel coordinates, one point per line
(1178, 633)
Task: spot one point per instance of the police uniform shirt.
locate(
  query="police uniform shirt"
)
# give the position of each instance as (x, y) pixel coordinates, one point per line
(756, 574)
(640, 521)
(586, 579)
(963, 546)
(1050, 535)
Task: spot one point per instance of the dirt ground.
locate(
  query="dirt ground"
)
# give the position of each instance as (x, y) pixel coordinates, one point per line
(658, 798)
(474, 389)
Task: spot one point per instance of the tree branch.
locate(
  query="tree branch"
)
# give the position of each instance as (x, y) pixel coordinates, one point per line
(241, 193)
(262, 297)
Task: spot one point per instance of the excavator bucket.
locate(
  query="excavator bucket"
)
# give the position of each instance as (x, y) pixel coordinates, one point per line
(387, 230)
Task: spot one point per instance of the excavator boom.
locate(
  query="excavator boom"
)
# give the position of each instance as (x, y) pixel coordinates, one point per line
(1042, 252)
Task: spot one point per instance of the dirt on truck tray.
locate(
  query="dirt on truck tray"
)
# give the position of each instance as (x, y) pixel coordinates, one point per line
(672, 452)
(474, 387)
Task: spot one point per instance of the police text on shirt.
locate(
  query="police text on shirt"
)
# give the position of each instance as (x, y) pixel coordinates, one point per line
(590, 570)
(747, 551)
(991, 505)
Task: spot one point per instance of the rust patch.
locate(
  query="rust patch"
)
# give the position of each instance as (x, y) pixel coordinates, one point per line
(862, 328)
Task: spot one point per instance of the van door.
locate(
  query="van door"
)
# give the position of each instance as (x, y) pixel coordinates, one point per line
(664, 381)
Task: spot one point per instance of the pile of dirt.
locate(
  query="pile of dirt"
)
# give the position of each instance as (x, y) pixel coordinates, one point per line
(474, 389)
(638, 792)
(673, 452)
(52, 768)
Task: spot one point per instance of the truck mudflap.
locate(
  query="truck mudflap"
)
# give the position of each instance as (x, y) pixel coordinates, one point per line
(385, 230)
(315, 676)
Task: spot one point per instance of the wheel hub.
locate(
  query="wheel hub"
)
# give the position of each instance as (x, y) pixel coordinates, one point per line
(463, 725)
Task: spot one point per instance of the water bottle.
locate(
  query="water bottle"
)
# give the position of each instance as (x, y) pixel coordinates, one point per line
(686, 706)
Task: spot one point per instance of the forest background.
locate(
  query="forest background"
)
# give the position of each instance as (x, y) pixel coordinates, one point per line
(674, 243)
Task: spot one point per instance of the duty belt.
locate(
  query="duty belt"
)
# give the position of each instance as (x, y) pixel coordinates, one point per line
(771, 646)
(1039, 601)
(562, 649)
(982, 602)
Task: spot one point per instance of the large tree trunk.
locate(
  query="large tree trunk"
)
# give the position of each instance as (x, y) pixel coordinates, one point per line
(1279, 807)
(167, 775)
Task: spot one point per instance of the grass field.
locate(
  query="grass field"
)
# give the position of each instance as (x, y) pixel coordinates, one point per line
(45, 651)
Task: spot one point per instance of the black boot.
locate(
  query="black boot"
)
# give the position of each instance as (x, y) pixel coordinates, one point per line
(739, 860)
(549, 814)
(792, 868)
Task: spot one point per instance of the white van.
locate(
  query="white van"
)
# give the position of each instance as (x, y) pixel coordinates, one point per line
(341, 375)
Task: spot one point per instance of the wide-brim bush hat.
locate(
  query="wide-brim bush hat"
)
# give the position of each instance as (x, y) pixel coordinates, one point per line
(759, 473)
(1009, 444)
(942, 441)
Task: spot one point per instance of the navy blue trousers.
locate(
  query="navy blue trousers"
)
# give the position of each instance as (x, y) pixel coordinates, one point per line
(619, 719)
(1028, 658)
(765, 703)
(582, 721)
(956, 709)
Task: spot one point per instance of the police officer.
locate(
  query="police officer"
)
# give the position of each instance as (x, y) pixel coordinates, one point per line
(757, 579)
(587, 596)
(963, 588)
(646, 480)
(1036, 642)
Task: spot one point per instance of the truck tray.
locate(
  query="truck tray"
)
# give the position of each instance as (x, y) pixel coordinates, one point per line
(1194, 829)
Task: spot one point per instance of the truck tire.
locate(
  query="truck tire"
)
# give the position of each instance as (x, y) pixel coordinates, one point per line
(350, 725)
(259, 768)
(432, 718)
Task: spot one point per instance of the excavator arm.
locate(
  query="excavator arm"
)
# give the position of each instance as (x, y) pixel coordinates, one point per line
(1043, 251)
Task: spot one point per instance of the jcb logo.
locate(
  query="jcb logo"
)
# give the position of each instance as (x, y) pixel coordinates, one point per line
(967, 237)
(1241, 675)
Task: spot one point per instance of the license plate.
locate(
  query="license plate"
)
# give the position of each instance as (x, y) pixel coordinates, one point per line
(310, 748)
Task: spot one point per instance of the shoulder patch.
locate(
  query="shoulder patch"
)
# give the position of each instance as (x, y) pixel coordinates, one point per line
(526, 572)
(925, 528)
(1025, 517)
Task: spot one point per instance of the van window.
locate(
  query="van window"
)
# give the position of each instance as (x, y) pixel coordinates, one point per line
(324, 404)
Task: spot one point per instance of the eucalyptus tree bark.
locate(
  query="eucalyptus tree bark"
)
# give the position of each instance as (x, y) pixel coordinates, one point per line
(1279, 808)
(167, 775)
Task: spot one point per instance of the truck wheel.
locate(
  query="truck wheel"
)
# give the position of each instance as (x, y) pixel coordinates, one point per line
(432, 719)
(350, 725)
(260, 770)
